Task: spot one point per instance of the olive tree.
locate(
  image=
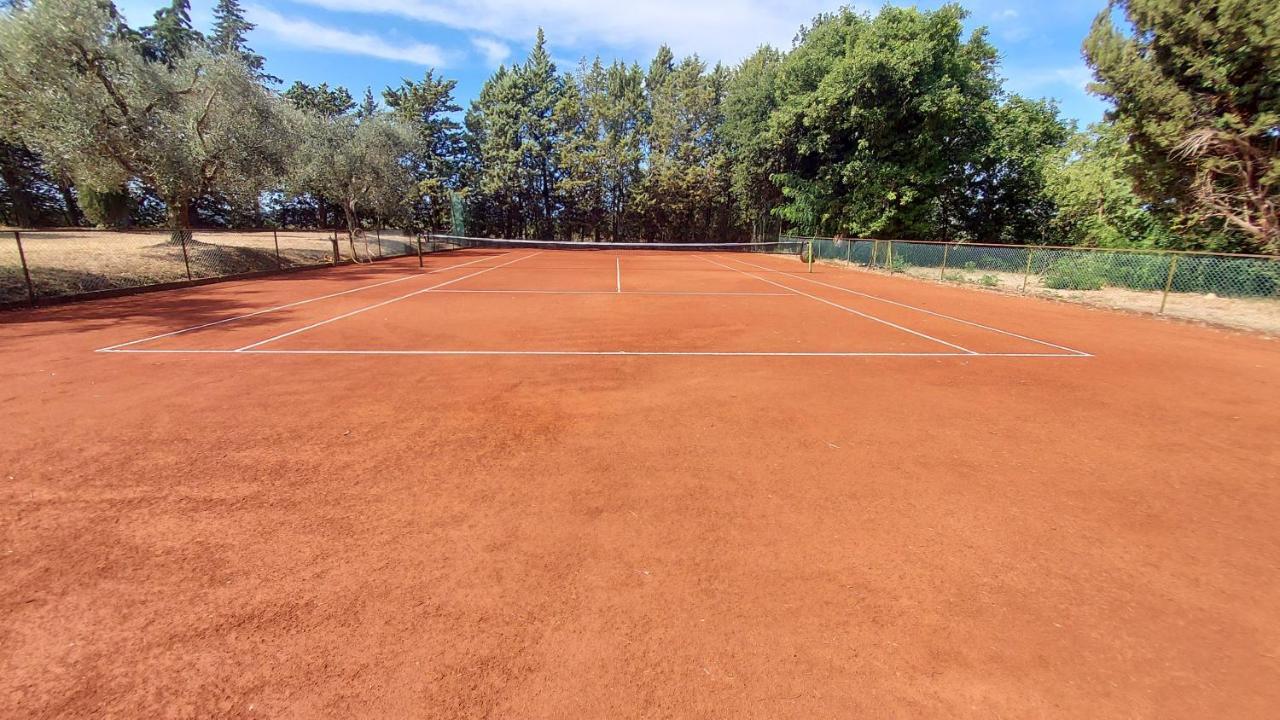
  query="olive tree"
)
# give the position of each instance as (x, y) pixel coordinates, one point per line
(81, 93)
(361, 164)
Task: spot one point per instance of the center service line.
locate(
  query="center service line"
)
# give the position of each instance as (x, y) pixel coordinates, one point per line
(381, 304)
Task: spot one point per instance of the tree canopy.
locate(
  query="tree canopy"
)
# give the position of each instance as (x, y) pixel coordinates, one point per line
(892, 124)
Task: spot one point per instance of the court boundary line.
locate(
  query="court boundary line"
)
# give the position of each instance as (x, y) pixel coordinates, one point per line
(287, 306)
(384, 303)
(847, 309)
(614, 292)
(800, 276)
(593, 353)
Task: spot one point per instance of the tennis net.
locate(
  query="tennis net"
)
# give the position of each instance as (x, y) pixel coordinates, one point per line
(444, 242)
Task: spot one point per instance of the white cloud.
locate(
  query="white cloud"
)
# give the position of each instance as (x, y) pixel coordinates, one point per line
(494, 52)
(727, 30)
(306, 34)
(1076, 77)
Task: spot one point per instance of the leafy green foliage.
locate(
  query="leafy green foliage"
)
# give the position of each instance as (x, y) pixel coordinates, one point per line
(1193, 83)
(106, 208)
(425, 108)
(875, 117)
(79, 90)
(230, 31)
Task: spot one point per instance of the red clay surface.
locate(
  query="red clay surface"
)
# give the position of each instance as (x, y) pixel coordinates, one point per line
(353, 531)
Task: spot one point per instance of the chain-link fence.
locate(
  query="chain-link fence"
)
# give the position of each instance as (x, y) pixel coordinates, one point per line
(49, 264)
(1236, 290)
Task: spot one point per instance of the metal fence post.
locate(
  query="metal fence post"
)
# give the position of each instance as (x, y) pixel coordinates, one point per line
(186, 260)
(1168, 283)
(942, 274)
(335, 247)
(875, 248)
(26, 273)
(1026, 274)
(811, 255)
(848, 258)
(276, 238)
(418, 237)
(889, 257)
(378, 233)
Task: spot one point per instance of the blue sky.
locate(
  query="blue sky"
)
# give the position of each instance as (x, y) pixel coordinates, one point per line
(375, 43)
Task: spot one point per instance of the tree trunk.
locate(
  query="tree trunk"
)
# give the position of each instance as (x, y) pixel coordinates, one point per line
(349, 210)
(178, 213)
(71, 207)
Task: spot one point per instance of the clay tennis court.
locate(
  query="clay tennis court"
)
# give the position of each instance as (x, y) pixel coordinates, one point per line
(519, 482)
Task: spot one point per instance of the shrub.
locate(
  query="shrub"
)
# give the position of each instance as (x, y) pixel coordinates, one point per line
(1081, 273)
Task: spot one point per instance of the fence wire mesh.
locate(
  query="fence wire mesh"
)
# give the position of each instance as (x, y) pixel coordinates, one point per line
(1236, 290)
(77, 261)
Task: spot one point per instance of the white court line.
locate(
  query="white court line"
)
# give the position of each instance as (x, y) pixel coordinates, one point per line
(799, 276)
(384, 303)
(624, 292)
(286, 306)
(605, 353)
(847, 309)
(619, 261)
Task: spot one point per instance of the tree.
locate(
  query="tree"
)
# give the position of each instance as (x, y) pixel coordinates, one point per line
(29, 194)
(171, 36)
(79, 91)
(358, 164)
(1089, 184)
(320, 99)
(543, 88)
(750, 102)
(106, 208)
(1193, 84)
(368, 105)
(999, 195)
(230, 31)
(877, 119)
(686, 195)
(425, 107)
(494, 168)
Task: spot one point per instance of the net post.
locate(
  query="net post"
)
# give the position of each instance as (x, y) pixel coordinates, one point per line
(182, 238)
(418, 237)
(1026, 273)
(26, 272)
(942, 274)
(1168, 283)
(335, 247)
(275, 237)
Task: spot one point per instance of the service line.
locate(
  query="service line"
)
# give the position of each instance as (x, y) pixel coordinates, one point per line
(800, 276)
(384, 303)
(847, 309)
(287, 306)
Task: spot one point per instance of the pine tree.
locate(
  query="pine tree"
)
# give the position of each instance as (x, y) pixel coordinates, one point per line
(368, 105)
(171, 35)
(543, 89)
(425, 107)
(230, 31)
